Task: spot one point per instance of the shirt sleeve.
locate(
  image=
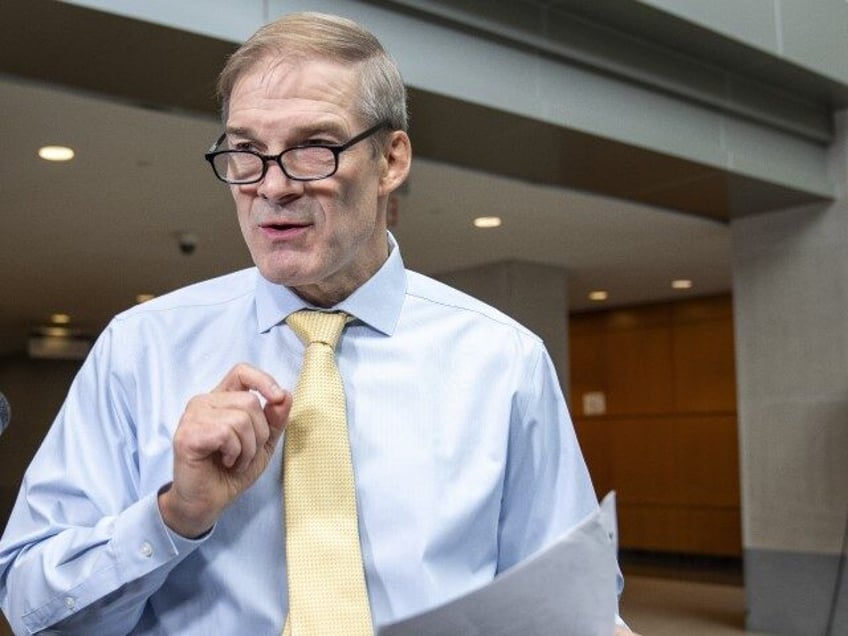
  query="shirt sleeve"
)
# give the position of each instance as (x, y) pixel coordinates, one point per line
(84, 549)
(547, 487)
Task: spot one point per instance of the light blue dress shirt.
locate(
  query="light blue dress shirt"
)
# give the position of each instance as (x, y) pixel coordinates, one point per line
(465, 459)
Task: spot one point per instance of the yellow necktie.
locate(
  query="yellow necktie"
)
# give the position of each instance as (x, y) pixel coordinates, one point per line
(327, 592)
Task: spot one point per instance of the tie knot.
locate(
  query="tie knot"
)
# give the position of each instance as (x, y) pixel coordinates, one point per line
(318, 326)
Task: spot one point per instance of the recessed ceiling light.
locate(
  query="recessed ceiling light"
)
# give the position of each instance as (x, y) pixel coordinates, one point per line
(60, 319)
(487, 221)
(56, 332)
(681, 283)
(143, 298)
(56, 153)
(598, 295)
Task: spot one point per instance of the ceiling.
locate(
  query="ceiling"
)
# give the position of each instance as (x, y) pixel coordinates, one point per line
(85, 237)
(135, 102)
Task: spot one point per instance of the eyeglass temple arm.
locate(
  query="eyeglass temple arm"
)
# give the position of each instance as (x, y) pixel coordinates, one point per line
(220, 140)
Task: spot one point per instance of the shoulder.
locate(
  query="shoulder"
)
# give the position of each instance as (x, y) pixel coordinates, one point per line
(197, 319)
(214, 308)
(205, 297)
(432, 296)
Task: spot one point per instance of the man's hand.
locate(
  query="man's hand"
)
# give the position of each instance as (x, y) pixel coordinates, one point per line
(224, 441)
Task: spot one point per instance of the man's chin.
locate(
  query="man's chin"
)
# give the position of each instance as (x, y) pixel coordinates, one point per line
(284, 280)
(283, 272)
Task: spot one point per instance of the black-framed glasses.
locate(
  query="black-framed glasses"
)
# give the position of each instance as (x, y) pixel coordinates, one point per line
(305, 162)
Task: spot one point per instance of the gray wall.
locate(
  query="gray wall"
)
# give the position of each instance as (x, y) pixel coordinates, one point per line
(809, 33)
(790, 272)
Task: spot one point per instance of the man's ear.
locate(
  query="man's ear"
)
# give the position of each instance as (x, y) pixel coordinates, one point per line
(395, 162)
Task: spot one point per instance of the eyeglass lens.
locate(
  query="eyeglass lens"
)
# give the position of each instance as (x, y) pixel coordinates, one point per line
(298, 163)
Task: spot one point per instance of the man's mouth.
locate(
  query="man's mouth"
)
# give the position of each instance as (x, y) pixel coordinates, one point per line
(282, 226)
(283, 229)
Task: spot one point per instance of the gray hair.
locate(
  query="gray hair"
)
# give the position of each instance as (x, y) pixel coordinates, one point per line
(310, 35)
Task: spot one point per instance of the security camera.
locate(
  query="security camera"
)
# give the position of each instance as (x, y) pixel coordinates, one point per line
(187, 242)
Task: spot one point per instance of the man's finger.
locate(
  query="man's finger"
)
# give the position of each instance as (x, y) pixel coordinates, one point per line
(277, 415)
(231, 448)
(244, 377)
(247, 432)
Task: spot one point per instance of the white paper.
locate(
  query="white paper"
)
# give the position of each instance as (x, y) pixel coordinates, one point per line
(568, 589)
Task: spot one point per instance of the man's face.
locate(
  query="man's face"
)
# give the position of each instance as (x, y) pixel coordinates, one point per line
(322, 238)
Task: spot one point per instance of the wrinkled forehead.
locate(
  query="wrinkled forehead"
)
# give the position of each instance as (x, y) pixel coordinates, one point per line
(295, 93)
(290, 74)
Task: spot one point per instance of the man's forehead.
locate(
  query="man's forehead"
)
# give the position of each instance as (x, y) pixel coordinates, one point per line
(286, 75)
(303, 97)
(300, 125)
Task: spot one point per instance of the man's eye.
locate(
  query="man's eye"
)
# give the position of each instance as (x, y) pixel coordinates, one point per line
(243, 145)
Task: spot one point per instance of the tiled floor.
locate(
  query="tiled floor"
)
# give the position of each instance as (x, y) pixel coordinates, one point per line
(669, 607)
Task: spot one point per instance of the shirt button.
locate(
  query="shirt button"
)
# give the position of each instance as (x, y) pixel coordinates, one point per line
(70, 603)
(147, 549)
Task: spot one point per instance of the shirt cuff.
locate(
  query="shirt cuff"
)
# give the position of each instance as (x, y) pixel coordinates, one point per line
(179, 541)
(138, 547)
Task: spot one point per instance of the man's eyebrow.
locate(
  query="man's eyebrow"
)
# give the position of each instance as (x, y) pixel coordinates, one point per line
(303, 131)
(239, 131)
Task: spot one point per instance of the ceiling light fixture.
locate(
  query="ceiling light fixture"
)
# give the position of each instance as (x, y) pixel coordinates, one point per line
(681, 283)
(598, 295)
(56, 153)
(487, 221)
(55, 332)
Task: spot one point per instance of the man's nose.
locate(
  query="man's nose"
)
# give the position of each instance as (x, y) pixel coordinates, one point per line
(276, 185)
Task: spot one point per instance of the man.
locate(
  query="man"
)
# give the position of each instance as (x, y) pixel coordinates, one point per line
(154, 505)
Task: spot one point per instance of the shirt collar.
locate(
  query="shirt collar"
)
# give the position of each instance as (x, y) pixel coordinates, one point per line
(377, 303)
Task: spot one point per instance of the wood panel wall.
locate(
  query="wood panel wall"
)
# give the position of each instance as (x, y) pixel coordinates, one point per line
(666, 440)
